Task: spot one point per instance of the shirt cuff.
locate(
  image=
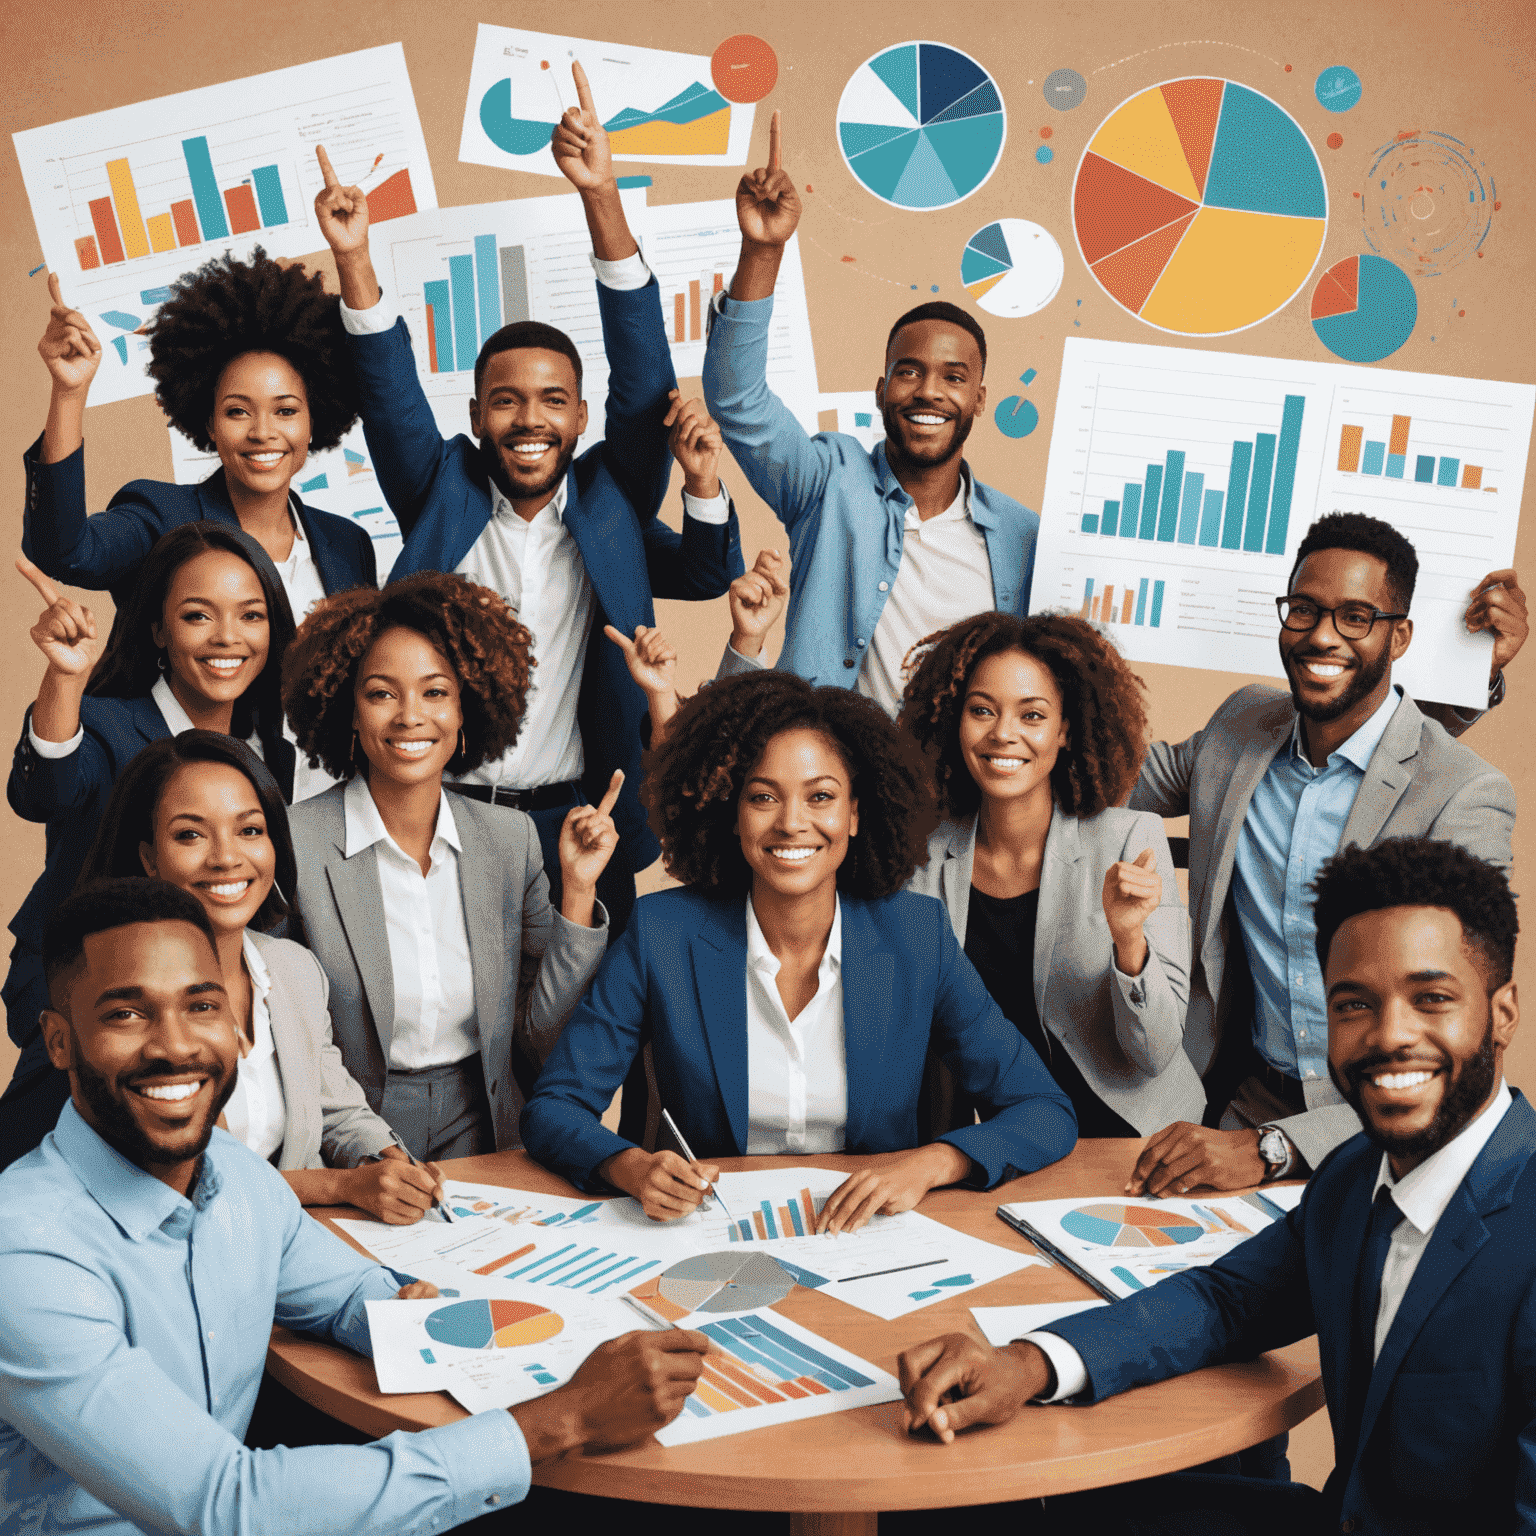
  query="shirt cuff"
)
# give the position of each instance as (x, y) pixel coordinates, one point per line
(486, 1460)
(373, 321)
(54, 748)
(717, 509)
(628, 272)
(1071, 1373)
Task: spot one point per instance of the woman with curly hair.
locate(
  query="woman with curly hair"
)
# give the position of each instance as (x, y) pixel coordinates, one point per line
(1067, 904)
(450, 973)
(791, 990)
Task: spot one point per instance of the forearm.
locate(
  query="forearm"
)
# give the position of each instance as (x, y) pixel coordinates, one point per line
(65, 428)
(662, 707)
(359, 282)
(611, 237)
(56, 714)
(625, 1170)
(1130, 950)
(578, 904)
(321, 1186)
(757, 270)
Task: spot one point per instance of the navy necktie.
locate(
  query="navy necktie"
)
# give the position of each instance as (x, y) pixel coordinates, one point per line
(1385, 1218)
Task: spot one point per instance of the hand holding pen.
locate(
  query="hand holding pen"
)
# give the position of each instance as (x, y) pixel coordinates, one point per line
(400, 1150)
(666, 1184)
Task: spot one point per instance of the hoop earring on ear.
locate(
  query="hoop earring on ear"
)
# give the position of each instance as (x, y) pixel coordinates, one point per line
(163, 662)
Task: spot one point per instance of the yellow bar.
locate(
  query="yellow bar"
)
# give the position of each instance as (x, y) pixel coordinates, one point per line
(162, 233)
(1399, 440)
(1087, 611)
(1349, 448)
(125, 198)
(1471, 477)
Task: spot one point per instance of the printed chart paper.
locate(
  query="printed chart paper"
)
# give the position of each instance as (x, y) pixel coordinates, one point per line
(857, 415)
(128, 200)
(1002, 1325)
(1180, 483)
(655, 104)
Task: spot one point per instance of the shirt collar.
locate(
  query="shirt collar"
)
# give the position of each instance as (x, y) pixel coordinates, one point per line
(1423, 1194)
(761, 958)
(365, 826)
(1363, 743)
(165, 701)
(261, 977)
(501, 507)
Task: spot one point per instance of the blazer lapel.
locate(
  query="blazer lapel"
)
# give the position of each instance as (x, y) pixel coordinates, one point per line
(599, 531)
(332, 576)
(299, 1063)
(360, 905)
(1337, 1291)
(480, 890)
(719, 955)
(1063, 850)
(869, 978)
(147, 719)
(955, 876)
(1387, 775)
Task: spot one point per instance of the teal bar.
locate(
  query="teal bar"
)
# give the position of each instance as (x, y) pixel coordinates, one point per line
(436, 295)
(1173, 485)
(1110, 522)
(1149, 502)
(1258, 491)
(1157, 604)
(1373, 458)
(768, 1221)
(205, 189)
(487, 285)
(1448, 469)
(1397, 463)
(1210, 520)
(1424, 469)
(1285, 475)
(1237, 494)
(1130, 511)
(461, 283)
(794, 1216)
(1090, 523)
(1189, 511)
(269, 195)
(1141, 601)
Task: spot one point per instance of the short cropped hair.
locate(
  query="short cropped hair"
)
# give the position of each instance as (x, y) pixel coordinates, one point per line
(527, 333)
(950, 314)
(112, 904)
(694, 780)
(1366, 536)
(1422, 872)
(1103, 704)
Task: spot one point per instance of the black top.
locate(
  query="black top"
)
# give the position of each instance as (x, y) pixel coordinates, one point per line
(1000, 943)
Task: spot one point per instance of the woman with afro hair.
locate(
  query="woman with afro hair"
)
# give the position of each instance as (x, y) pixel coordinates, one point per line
(450, 972)
(791, 990)
(1067, 904)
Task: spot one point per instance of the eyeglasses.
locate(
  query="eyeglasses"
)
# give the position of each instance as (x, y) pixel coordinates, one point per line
(1352, 620)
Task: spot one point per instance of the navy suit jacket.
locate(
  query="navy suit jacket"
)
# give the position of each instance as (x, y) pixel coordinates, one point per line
(1447, 1440)
(678, 976)
(440, 493)
(105, 550)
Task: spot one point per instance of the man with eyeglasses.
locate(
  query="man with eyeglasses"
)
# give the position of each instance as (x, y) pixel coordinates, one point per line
(1273, 786)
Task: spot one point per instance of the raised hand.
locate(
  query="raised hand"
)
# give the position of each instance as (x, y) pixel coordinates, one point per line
(65, 633)
(69, 346)
(587, 840)
(757, 599)
(1499, 604)
(341, 212)
(696, 444)
(580, 142)
(767, 205)
(1132, 893)
(650, 657)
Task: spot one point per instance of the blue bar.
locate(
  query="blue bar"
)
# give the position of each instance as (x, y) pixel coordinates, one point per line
(1110, 523)
(1373, 458)
(746, 1230)
(571, 1279)
(154, 295)
(802, 1351)
(205, 189)
(1448, 468)
(1173, 484)
(770, 1357)
(1149, 502)
(1090, 523)
(794, 1216)
(553, 1221)
(1285, 475)
(461, 282)
(618, 1264)
(1141, 601)
(1397, 463)
(1258, 491)
(1424, 469)
(1130, 507)
(1237, 495)
(1128, 1277)
(436, 295)
(1189, 510)
(543, 1259)
(486, 282)
(555, 1269)
(1210, 521)
(768, 1224)
(269, 195)
(1157, 604)
(585, 1211)
(695, 1407)
(629, 1274)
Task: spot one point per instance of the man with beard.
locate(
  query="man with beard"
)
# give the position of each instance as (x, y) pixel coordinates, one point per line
(573, 543)
(1411, 1256)
(144, 1256)
(889, 545)
(1272, 786)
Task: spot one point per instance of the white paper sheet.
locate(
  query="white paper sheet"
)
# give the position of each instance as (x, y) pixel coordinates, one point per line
(1002, 1325)
(857, 414)
(1286, 1196)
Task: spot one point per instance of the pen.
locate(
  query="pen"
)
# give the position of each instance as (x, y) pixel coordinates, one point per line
(655, 1319)
(437, 1205)
(666, 1115)
(875, 1273)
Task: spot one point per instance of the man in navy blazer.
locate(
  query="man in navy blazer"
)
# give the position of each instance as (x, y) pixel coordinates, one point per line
(1412, 1254)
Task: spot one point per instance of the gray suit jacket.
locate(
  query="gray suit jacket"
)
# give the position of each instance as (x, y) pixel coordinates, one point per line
(530, 965)
(1419, 783)
(1126, 1033)
(329, 1123)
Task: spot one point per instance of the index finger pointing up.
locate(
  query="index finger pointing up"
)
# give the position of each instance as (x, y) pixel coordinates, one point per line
(775, 140)
(45, 588)
(53, 289)
(583, 90)
(326, 168)
(607, 803)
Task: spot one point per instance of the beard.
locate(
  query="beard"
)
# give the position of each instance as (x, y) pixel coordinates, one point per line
(1366, 676)
(927, 458)
(513, 492)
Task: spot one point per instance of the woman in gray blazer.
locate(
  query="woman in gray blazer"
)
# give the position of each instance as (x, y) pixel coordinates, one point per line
(203, 811)
(1066, 903)
(451, 975)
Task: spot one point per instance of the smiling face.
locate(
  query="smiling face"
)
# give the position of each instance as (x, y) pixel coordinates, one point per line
(796, 814)
(211, 839)
(406, 709)
(260, 423)
(214, 629)
(1415, 1041)
(931, 394)
(1012, 726)
(528, 415)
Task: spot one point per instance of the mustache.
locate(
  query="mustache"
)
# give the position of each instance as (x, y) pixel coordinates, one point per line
(154, 1071)
(1357, 1072)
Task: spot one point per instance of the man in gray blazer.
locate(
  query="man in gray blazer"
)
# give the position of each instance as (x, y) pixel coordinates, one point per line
(1272, 786)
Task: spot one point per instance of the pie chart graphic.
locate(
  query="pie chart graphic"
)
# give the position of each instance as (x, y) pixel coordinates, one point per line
(515, 135)
(1012, 267)
(1200, 206)
(725, 1282)
(1130, 1226)
(1364, 308)
(921, 125)
(492, 1324)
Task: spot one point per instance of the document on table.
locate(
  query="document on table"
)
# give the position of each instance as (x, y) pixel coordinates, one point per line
(1002, 1325)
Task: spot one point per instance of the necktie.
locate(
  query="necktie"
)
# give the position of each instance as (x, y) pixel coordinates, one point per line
(1385, 1217)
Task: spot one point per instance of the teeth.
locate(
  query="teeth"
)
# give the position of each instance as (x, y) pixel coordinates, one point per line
(531, 450)
(1402, 1079)
(171, 1091)
(265, 460)
(229, 888)
(229, 664)
(792, 855)
(1006, 763)
(411, 748)
(928, 421)
(1323, 669)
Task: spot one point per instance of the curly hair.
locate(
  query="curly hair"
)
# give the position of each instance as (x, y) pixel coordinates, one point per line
(694, 779)
(228, 308)
(1366, 536)
(490, 652)
(1102, 701)
(1422, 872)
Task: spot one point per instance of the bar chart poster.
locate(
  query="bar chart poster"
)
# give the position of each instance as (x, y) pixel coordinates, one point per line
(128, 200)
(656, 105)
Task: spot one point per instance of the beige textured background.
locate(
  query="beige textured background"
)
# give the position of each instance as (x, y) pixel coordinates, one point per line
(1462, 68)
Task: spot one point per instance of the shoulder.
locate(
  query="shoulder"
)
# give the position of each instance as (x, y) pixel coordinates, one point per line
(41, 1197)
(1442, 757)
(286, 960)
(676, 914)
(319, 815)
(904, 918)
(1257, 708)
(123, 723)
(163, 496)
(1118, 827)
(510, 832)
(331, 527)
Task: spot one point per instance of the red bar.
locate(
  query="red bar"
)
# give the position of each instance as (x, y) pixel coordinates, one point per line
(185, 219)
(432, 364)
(693, 311)
(719, 281)
(241, 203)
(812, 1385)
(85, 251)
(741, 1377)
(108, 241)
(393, 198)
(677, 319)
(728, 1388)
(757, 1221)
(506, 1258)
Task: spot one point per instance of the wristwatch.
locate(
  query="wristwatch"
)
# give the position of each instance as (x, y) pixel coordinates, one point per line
(1275, 1149)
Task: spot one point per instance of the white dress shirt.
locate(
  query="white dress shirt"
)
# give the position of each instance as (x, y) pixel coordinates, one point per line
(257, 1112)
(797, 1069)
(176, 720)
(944, 576)
(1421, 1196)
(300, 577)
(434, 1023)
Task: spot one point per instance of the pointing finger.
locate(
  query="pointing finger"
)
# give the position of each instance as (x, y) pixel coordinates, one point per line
(620, 639)
(1146, 859)
(45, 588)
(327, 170)
(583, 90)
(53, 289)
(606, 804)
(775, 141)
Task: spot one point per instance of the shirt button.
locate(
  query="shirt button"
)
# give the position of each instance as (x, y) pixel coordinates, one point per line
(848, 661)
(210, 1334)
(1303, 1034)
(495, 1498)
(885, 586)
(1311, 1073)
(860, 644)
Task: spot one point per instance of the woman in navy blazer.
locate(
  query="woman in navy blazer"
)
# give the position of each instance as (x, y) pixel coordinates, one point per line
(791, 990)
(201, 644)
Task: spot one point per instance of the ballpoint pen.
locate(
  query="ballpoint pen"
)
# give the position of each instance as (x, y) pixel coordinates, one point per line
(437, 1205)
(677, 1136)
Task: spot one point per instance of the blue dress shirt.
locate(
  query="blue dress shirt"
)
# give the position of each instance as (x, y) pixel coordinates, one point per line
(136, 1328)
(1294, 822)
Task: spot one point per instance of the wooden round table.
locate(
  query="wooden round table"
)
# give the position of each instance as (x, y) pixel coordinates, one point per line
(834, 1474)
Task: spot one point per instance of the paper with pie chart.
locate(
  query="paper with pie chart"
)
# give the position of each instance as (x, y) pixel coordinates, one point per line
(1012, 267)
(1200, 206)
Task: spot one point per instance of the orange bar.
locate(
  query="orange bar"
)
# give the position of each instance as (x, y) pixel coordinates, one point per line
(809, 1207)
(1471, 477)
(693, 311)
(762, 1231)
(677, 318)
(719, 281)
(1107, 607)
(1126, 606)
(727, 1388)
(241, 203)
(1349, 448)
(1398, 443)
(813, 1386)
(85, 250)
(507, 1258)
(786, 1226)
(742, 1378)
(185, 216)
(789, 1389)
(1087, 608)
(432, 364)
(1236, 1226)
(716, 1400)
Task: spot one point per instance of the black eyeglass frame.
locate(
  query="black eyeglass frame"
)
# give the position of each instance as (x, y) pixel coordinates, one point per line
(1377, 615)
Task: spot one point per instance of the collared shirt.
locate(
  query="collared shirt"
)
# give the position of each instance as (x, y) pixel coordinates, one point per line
(797, 1069)
(257, 1112)
(176, 719)
(944, 576)
(136, 1329)
(1295, 821)
(434, 1023)
(300, 577)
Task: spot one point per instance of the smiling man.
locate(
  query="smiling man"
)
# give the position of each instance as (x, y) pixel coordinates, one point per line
(887, 545)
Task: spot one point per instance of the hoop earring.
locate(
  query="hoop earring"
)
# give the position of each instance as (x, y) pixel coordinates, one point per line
(163, 663)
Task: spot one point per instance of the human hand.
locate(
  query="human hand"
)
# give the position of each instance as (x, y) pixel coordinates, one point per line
(1132, 893)
(1183, 1157)
(580, 142)
(650, 657)
(1499, 604)
(767, 205)
(394, 1188)
(891, 1185)
(587, 840)
(341, 212)
(65, 628)
(417, 1290)
(69, 346)
(666, 1185)
(757, 599)
(696, 444)
(955, 1381)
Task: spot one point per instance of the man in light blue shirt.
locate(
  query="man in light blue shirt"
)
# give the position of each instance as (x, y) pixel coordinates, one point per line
(144, 1256)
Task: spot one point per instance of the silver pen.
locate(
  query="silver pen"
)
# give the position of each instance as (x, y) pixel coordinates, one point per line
(437, 1205)
(677, 1136)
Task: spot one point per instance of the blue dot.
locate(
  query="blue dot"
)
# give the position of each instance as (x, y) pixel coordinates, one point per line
(1016, 416)
(1338, 88)
(934, 289)
(1045, 154)
(914, 287)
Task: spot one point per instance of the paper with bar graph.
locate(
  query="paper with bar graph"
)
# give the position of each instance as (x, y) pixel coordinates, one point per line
(1180, 483)
(126, 201)
(656, 105)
